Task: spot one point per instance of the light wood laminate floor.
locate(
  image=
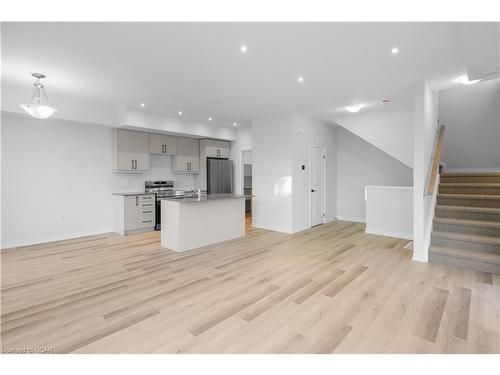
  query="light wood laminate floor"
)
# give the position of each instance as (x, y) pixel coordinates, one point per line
(331, 289)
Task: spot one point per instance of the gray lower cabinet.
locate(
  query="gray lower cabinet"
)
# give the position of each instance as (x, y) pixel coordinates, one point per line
(134, 213)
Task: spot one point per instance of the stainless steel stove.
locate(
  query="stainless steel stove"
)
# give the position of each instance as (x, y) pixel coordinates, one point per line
(161, 189)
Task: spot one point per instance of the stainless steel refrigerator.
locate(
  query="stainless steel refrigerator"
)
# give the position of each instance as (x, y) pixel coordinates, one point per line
(219, 176)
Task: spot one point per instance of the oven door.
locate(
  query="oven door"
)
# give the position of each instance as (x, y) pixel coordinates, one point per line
(158, 214)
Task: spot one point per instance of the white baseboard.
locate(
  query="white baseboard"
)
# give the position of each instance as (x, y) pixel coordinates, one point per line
(46, 239)
(274, 228)
(353, 219)
(424, 258)
(379, 232)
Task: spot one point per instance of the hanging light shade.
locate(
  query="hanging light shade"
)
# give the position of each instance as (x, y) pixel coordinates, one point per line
(35, 108)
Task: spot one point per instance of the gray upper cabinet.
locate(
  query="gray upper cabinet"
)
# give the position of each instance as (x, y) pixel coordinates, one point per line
(162, 144)
(130, 151)
(211, 148)
(187, 157)
(216, 149)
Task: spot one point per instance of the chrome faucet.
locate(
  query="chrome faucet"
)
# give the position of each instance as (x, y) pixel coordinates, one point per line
(196, 193)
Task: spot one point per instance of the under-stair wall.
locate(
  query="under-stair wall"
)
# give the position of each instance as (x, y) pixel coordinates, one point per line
(389, 130)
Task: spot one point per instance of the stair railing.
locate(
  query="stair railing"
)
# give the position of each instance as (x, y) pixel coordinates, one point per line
(436, 159)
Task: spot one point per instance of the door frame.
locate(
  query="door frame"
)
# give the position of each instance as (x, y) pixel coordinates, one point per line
(323, 183)
(242, 169)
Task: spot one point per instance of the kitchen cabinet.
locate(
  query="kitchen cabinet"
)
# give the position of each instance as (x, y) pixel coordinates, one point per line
(134, 213)
(211, 148)
(216, 149)
(162, 144)
(130, 151)
(187, 158)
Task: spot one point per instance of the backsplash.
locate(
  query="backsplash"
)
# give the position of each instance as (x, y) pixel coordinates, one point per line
(160, 169)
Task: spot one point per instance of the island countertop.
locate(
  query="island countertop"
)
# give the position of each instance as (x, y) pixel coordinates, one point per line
(132, 193)
(205, 198)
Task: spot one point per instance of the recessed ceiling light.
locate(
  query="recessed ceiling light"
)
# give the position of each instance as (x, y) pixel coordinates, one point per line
(210, 119)
(300, 79)
(143, 105)
(235, 124)
(354, 108)
(243, 49)
(395, 50)
(464, 80)
(180, 113)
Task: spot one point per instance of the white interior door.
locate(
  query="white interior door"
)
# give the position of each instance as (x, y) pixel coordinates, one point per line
(317, 194)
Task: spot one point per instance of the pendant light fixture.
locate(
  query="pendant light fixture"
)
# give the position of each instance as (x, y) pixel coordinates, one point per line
(35, 108)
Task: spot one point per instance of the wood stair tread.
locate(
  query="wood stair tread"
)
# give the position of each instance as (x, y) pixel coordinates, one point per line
(469, 196)
(466, 254)
(473, 223)
(466, 237)
(487, 210)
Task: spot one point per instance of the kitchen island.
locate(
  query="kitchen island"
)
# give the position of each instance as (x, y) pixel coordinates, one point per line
(189, 223)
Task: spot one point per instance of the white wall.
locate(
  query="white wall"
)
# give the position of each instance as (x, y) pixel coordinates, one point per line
(272, 174)
(243, 142)
(143, 120)
(57, 180)
(389, 211)
(360, 164)
(426, 125)
(472, 118)
(389, 130)
(307, 132)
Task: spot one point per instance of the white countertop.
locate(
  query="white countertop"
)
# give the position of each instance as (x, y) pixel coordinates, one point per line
(205, 198)
(133, 193)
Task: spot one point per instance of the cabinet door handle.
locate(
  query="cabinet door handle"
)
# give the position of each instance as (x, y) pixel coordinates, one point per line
(132, 164)
(145, 205)
(148, 221)
(136, 164)
(146, 212)
(136, 200)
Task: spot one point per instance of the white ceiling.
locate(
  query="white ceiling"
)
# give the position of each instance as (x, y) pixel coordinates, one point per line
(189, 66)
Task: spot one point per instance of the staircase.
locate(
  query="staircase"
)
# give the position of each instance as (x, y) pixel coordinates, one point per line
(466, 230)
